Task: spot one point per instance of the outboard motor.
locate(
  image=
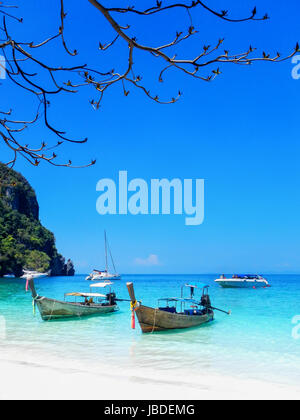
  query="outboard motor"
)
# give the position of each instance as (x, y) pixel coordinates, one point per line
(205, 301)
(111, 297)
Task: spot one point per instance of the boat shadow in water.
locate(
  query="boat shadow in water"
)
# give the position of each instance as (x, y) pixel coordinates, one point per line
(183, 331)
(166, 350)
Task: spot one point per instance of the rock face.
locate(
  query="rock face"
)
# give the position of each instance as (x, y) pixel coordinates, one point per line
(22, 200)
(24, 242)
(59, 267)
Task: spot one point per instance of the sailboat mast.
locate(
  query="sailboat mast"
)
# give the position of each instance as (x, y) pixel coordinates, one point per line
(111, 257)
(106, 258)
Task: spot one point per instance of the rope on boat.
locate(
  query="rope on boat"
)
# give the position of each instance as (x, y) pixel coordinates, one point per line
(51, 311)
(155, 312)
(34, 301)
(39, 298)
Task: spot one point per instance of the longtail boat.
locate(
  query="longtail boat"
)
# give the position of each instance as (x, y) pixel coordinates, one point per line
(169, 316)
(92, 304)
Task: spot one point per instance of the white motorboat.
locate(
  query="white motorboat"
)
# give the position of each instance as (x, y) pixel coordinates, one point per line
(33, 274)
(105, 275)
(242, 281)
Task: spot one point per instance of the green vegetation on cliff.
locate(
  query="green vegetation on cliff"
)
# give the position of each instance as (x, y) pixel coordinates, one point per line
(24, 242)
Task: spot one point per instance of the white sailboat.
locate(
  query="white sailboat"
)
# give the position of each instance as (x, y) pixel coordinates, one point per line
(105, 275)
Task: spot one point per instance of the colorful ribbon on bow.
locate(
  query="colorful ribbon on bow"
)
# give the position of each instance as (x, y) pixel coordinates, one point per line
(133, 307)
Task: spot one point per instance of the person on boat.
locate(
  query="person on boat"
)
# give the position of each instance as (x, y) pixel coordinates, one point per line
(91, 301)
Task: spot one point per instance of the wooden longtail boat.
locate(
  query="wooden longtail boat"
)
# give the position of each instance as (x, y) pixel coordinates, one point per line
(168, 318)
(54, 309)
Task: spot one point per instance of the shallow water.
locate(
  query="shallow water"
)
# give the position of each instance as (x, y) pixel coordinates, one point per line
(254, 342)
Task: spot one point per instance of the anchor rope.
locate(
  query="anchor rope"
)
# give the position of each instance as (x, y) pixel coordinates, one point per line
(155, 312)
(52, 311)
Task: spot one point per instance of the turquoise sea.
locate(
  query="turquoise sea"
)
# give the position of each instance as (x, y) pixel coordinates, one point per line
(254, 342)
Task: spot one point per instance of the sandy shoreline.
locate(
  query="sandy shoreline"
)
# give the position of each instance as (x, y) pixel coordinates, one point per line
(25, 380)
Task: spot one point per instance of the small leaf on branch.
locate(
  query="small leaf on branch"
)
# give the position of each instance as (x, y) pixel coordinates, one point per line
(217, 72)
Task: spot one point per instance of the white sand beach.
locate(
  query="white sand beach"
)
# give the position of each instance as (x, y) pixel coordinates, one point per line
(24, 380)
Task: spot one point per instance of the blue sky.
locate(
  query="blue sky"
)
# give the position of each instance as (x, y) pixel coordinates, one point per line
(239, 133)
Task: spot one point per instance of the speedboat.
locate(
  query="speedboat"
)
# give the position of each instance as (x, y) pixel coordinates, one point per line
(105, 275)
(33, 274)
(242, 281)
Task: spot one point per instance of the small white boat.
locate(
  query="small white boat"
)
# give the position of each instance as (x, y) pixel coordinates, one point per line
(33, 274)
(243, 281)
(9, 276)
(105, 275)
(102, 276)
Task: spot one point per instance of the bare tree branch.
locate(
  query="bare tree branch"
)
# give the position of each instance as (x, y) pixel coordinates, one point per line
(205, 65)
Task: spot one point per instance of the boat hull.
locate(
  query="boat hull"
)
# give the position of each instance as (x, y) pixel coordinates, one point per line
(34, 275)
(103, 278)
(242, 284)
(152, 320)
(54, 309)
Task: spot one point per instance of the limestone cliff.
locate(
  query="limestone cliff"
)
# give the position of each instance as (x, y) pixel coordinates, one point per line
(24, 242)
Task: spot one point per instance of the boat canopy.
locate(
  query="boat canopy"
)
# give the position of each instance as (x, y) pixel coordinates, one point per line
(87, 295)
(196, 302)
(200, 286)
(101, 284)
